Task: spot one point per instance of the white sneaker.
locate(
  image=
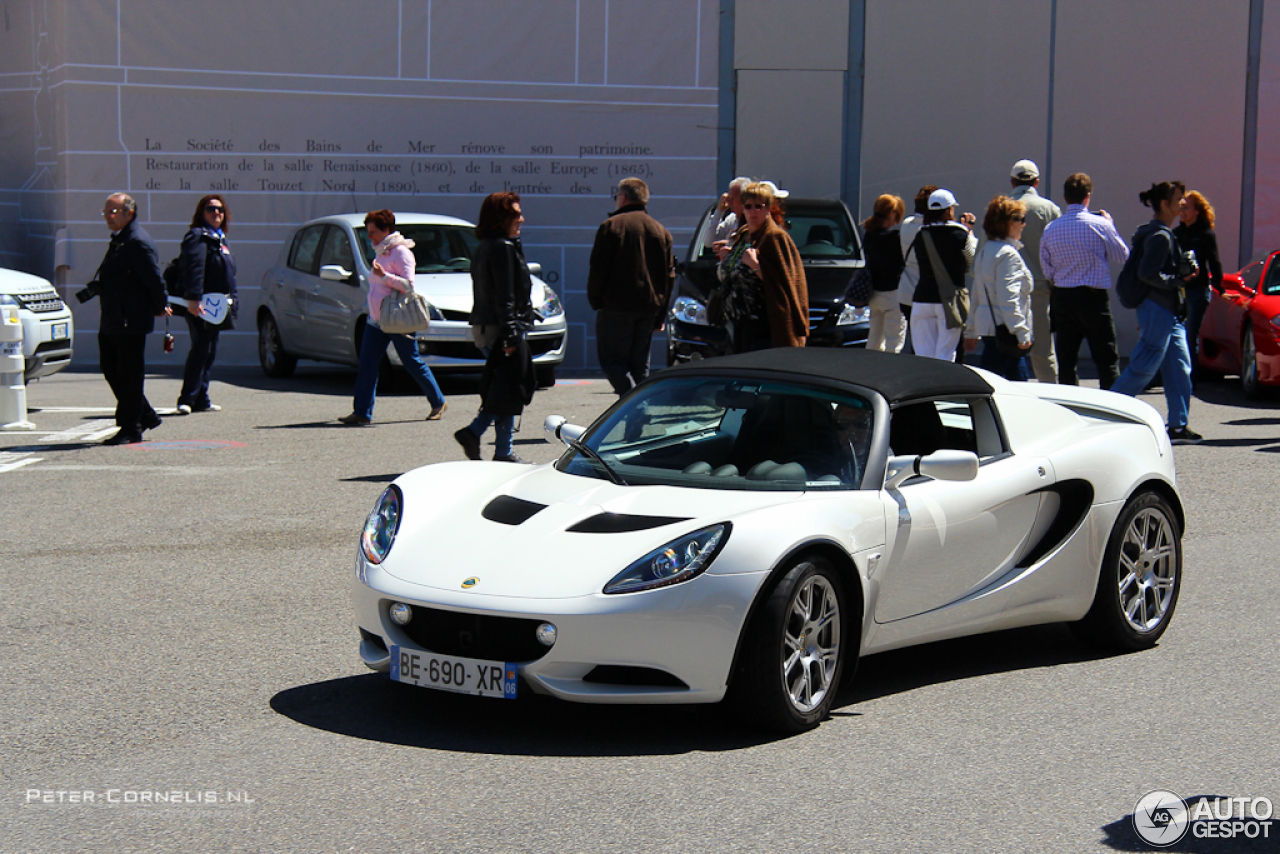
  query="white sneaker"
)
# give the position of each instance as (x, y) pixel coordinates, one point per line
(213, 407)
(182, 409)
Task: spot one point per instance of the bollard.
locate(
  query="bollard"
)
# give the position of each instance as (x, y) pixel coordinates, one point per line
(13, 387)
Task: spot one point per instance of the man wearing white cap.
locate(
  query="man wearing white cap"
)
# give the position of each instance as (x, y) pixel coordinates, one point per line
(944, 249)
(1025, 178)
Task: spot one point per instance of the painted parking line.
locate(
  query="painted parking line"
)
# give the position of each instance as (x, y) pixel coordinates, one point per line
(86, 432)
(10, 460)
(187, 445)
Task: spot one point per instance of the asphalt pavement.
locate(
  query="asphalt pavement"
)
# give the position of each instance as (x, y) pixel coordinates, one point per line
(178, 644)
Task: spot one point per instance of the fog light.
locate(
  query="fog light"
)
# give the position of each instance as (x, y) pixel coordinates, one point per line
(546, 634)
(400, 613)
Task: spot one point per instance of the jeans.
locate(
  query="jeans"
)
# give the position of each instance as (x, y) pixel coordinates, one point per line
(504, 426)
(1197, 304)
(1162, 346)
(195, 375)
(372, 345)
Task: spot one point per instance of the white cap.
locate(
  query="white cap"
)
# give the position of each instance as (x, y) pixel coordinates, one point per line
(940, 200)
(1025, 170)
(777, 194)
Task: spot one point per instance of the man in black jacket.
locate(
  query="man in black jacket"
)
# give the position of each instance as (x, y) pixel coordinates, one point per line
(631, 274)
(133, 295)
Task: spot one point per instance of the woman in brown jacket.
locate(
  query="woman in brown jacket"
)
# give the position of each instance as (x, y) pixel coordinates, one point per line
(774, 262)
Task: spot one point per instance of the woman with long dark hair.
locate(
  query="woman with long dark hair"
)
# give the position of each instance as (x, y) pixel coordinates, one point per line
(205, 266)
(1162, 343)
(501, 315)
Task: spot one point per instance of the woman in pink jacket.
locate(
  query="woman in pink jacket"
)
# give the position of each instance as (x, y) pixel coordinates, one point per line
(393, 268)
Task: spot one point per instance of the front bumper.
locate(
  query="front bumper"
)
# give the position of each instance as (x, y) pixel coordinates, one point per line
(449, 345)
(43, 353)
(673, 645)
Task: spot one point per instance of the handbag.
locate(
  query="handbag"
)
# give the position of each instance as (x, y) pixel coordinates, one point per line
(860, 287)
(955, 301)
(1006, 341)
(402, 313)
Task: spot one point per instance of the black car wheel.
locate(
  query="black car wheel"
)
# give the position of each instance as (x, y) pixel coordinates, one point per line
(545, 374)
(271, 353)
(1140, 578)
(793, 655)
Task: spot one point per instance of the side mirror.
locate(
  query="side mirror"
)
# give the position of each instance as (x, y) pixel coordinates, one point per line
(940, 465)
(335, 273)
(535, 269)
(557, 429)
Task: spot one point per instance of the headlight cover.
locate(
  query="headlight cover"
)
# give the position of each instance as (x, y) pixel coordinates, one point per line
(677, 561)
(381, 526)
(853, 314)
(550, 303)
(689, 310)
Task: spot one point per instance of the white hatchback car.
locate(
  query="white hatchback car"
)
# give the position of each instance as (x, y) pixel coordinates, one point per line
(47, 328)
(314, 300)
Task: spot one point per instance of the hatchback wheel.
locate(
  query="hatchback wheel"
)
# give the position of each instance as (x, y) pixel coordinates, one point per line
(794, 654)
(271, 353)
(1140, 579)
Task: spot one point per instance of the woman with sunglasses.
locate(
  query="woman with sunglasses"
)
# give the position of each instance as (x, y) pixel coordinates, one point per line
(766, 293)
(1001, 296)
(206, 266)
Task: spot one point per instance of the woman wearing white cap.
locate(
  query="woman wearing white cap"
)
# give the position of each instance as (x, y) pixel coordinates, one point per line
(944, 249)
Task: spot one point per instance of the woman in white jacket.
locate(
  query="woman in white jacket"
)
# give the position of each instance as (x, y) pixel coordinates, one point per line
(1000, 310)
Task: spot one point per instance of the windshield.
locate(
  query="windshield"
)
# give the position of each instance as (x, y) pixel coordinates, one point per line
(437, 248)
(730, 433)
(820, 233)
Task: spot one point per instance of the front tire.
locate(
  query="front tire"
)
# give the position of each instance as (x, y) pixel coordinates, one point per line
(794, 653)
(271, 353)
(1140, 578)
(545, 375)
(1249, 366)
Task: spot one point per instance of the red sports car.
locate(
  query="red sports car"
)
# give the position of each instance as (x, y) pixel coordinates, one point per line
(1241, 329)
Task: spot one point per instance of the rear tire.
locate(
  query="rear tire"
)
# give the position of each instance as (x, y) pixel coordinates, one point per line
(1140, 579)
(271, 353)
(793, 656)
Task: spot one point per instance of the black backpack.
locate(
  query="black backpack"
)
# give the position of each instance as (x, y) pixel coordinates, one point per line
(172, 279)
(1129, 288)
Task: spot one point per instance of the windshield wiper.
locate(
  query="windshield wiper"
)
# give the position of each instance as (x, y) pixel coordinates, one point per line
(581, 447)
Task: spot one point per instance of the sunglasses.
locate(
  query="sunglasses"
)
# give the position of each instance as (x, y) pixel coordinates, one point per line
(1018, 218)
(755, 207)
(112, 211)
(214, 208)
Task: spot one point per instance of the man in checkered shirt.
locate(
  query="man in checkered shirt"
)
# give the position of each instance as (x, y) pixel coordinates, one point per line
(1075, 253)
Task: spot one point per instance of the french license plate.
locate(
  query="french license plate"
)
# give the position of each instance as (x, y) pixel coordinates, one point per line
(447, 673)
(59, 331)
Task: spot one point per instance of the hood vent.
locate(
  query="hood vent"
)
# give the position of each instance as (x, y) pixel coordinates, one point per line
(510, 511)
(622, 523)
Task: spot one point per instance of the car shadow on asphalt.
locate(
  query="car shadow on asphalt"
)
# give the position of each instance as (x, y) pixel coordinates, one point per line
(374, 708)
(898, 671)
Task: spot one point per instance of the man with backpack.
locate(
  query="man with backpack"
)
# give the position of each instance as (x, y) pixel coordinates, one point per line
(1075, 253)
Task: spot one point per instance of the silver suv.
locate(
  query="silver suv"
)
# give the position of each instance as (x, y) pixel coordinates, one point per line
(314, 300)
(47, 328)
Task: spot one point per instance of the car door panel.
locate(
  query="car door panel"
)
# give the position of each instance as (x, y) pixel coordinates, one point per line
(297, 278)
(332, 307)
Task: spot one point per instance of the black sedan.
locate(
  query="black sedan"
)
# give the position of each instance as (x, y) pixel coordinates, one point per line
(824, 232)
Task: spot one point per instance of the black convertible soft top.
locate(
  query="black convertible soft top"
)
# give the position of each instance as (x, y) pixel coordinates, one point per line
(896, 377)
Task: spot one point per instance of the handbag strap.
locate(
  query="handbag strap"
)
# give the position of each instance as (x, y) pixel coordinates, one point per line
(940, 271)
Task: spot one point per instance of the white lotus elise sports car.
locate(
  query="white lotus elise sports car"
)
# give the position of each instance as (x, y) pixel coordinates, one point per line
(747, 527)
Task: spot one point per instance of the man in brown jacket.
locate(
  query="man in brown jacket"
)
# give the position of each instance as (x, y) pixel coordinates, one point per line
(630, 279)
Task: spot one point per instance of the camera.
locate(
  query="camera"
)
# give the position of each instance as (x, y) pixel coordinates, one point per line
(89, 291)
(1187, 265)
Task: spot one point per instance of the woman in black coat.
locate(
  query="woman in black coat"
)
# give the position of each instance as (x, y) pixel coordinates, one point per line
(1195, 232)
(206, 266)
(501, 314)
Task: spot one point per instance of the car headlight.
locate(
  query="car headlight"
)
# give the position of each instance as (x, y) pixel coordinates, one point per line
(5, 299)
(677, 561)
(550, 303)
(853, 314)
(381, 526)
(690, 310)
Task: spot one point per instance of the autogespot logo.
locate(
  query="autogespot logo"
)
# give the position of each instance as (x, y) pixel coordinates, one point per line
(1161, 818)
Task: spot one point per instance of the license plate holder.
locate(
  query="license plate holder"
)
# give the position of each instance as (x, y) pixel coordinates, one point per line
(450, 673)
(59, 331)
